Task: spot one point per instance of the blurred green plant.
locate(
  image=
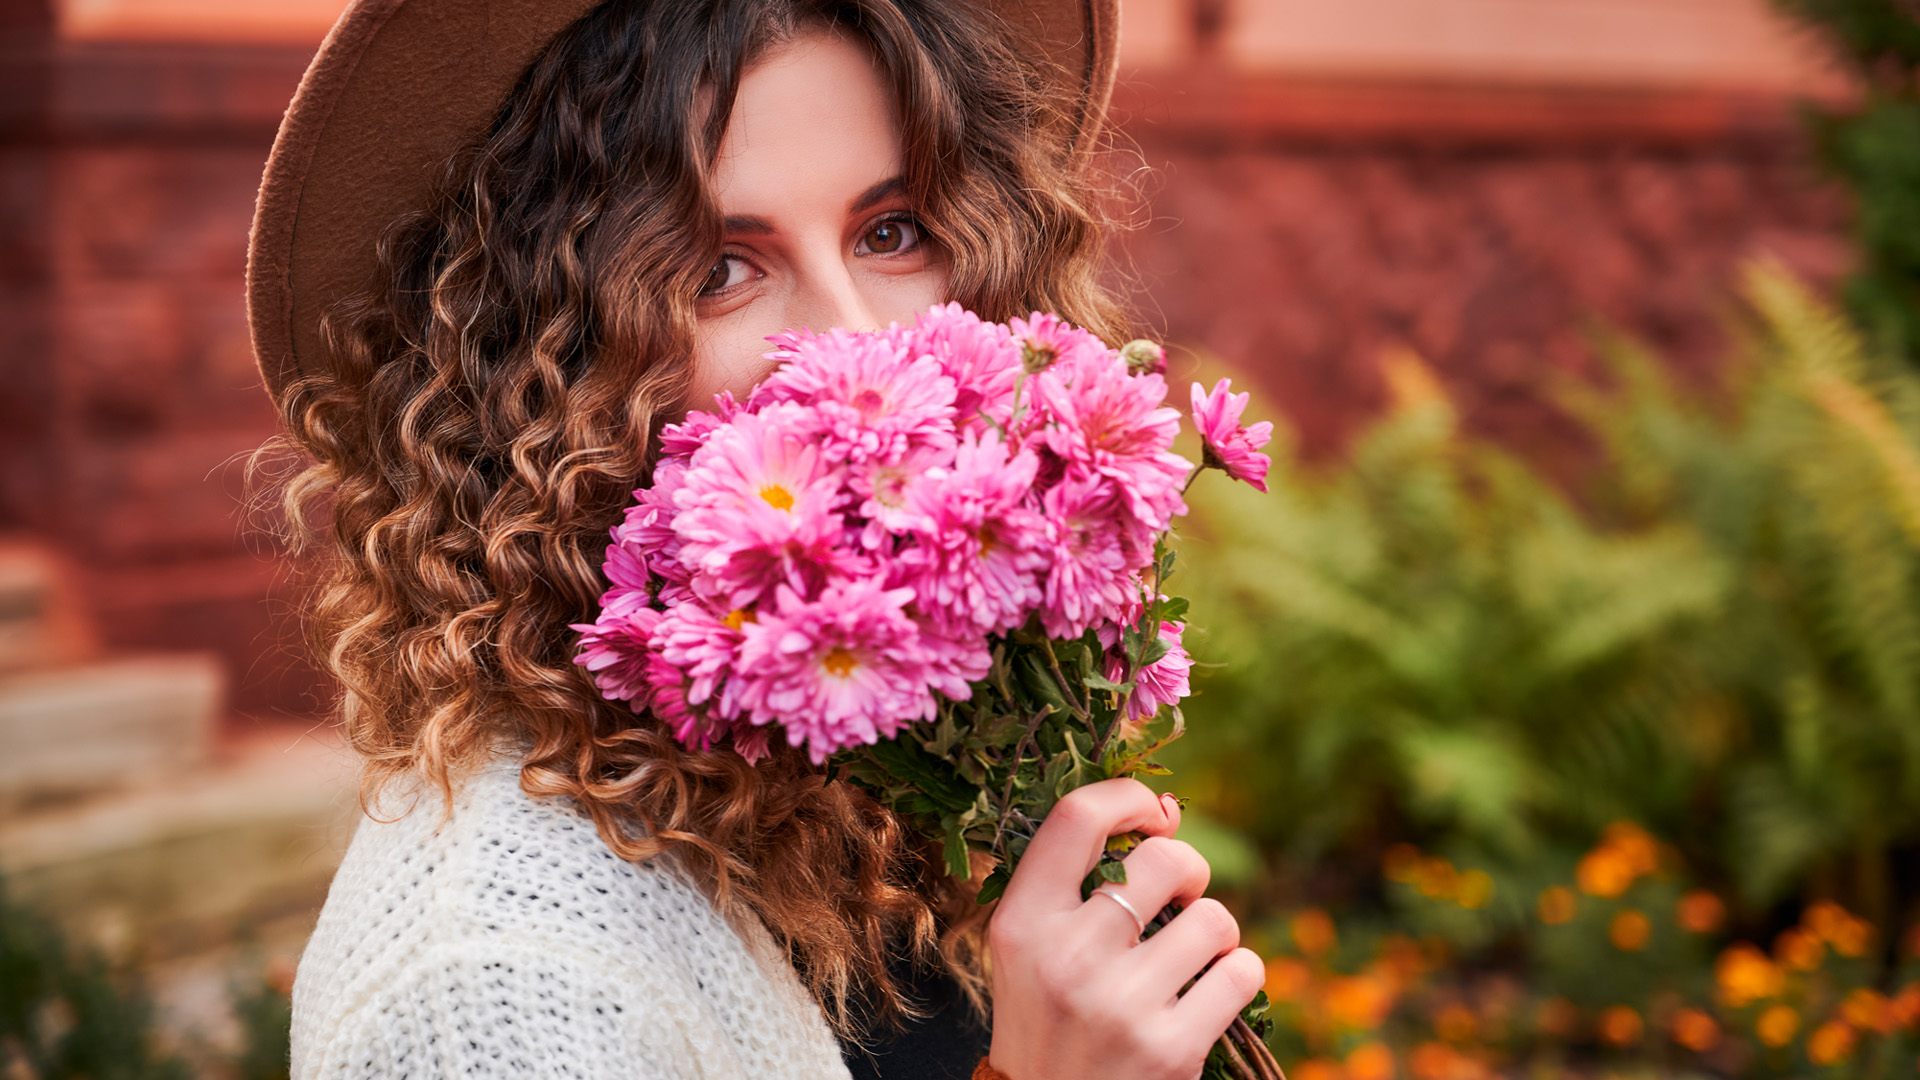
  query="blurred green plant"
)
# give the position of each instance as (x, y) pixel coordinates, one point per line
(63, 1014)
(1875, 150)
(67, 1013)
(1560, 756)
(1719, 638)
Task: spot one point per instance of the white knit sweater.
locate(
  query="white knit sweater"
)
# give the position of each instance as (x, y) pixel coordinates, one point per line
(513, 943)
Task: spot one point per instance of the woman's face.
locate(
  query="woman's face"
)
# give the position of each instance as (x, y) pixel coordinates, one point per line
(818, 232)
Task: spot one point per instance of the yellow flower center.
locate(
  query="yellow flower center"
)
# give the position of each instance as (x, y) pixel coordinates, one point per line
(777, 497)
(839, 663)
(738, 618)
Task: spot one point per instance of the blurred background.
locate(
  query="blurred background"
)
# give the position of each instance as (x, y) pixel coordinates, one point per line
(1560, 705)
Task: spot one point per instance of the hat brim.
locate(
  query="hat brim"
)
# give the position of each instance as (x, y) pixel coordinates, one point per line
(399, 85)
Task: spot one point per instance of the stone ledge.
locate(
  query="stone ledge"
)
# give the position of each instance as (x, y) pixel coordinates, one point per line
(186, 859)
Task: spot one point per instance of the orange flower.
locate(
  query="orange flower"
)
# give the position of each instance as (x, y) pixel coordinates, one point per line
(1868, 1009)
(1556, 905)
(1603, 872)
(1852, 937)
(1473, 889)
(1359, 1001)
(1316, 1069)
(1745, 975)
(1824, 917)
(1695, 1030)
(1830, 1044)
(1455, 1023)
(1435, 878)
(1400, 959)
(1620, 1026)
(1630, 930)
(1313, 931)
(1777, 1025)
(1287, 978)
(1370, 1061)
(1700, 912)
(1556, 1017)
(1799, 948)
(1435, 1061)
(1400, 863)
(1637, 849)
(1904, 1009)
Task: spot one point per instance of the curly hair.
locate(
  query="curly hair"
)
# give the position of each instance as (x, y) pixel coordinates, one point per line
(483, 413)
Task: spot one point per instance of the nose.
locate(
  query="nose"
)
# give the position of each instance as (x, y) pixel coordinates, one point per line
(829, 296)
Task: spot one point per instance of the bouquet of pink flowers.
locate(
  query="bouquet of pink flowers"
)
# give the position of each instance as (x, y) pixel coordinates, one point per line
(935, 556)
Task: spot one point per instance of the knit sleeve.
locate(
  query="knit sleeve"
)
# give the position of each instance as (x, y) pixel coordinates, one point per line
(499, 1008)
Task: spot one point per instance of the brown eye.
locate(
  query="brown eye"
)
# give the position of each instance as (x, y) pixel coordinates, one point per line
(894, 235)
(886, 236)
(717, 279)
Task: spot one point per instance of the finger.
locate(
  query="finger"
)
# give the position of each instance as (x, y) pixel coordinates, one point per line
(1221, 993)
(1176, 952)
(1070, 839)
(1159, 871)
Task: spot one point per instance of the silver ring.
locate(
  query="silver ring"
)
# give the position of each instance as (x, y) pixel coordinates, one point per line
(1125, 903)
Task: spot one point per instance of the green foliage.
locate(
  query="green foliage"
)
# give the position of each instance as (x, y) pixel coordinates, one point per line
(1875, 150)
(63, 1014)
(66, 1012)
(1717, 636)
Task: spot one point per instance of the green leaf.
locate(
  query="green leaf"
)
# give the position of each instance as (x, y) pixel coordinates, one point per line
(994, 885)
(930, 776)
(956, 850)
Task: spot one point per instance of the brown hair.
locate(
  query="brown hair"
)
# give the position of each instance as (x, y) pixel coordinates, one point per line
(483, 415)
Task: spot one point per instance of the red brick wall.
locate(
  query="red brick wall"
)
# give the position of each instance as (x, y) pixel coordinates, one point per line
(1303, 216)
(127, 194)
(1303, 259)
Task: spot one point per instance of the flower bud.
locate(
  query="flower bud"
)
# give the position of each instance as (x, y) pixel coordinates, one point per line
(1035, 358)
(1144, 357)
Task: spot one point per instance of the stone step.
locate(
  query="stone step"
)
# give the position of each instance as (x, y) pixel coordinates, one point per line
(188, 860)
(81, 728)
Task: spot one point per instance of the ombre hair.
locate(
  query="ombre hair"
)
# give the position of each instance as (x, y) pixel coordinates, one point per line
(482, 416)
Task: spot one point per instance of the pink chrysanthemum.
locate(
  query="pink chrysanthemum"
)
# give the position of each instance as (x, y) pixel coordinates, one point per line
(845, 670)
(614, 650)
(629, 587)
(692, 726)
(750, 742)
(979, 356)
(884, 489)
(1090, 578)
(1166, 681)
(1098, 419)
(1045, 339)
(647, 533)
(704, 646)
(690, 433)
(1230, 447)
(872, 401)
(759, 508)
(977, 556)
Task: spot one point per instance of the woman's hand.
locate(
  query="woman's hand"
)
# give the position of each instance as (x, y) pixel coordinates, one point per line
(1076, 993)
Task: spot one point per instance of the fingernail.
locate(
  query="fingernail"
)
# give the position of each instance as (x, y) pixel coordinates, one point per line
(1169, 804)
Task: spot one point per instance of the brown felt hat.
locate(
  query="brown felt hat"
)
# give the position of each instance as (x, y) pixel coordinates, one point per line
(398, 85)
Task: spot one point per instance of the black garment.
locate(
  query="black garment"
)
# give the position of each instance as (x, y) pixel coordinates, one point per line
(944, 1046)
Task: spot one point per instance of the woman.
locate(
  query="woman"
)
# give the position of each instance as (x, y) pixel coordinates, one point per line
(639, 193)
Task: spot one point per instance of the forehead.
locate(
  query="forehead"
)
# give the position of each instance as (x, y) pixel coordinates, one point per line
(813, 124)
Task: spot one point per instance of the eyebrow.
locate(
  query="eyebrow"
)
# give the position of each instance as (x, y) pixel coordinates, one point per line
(759, 226)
